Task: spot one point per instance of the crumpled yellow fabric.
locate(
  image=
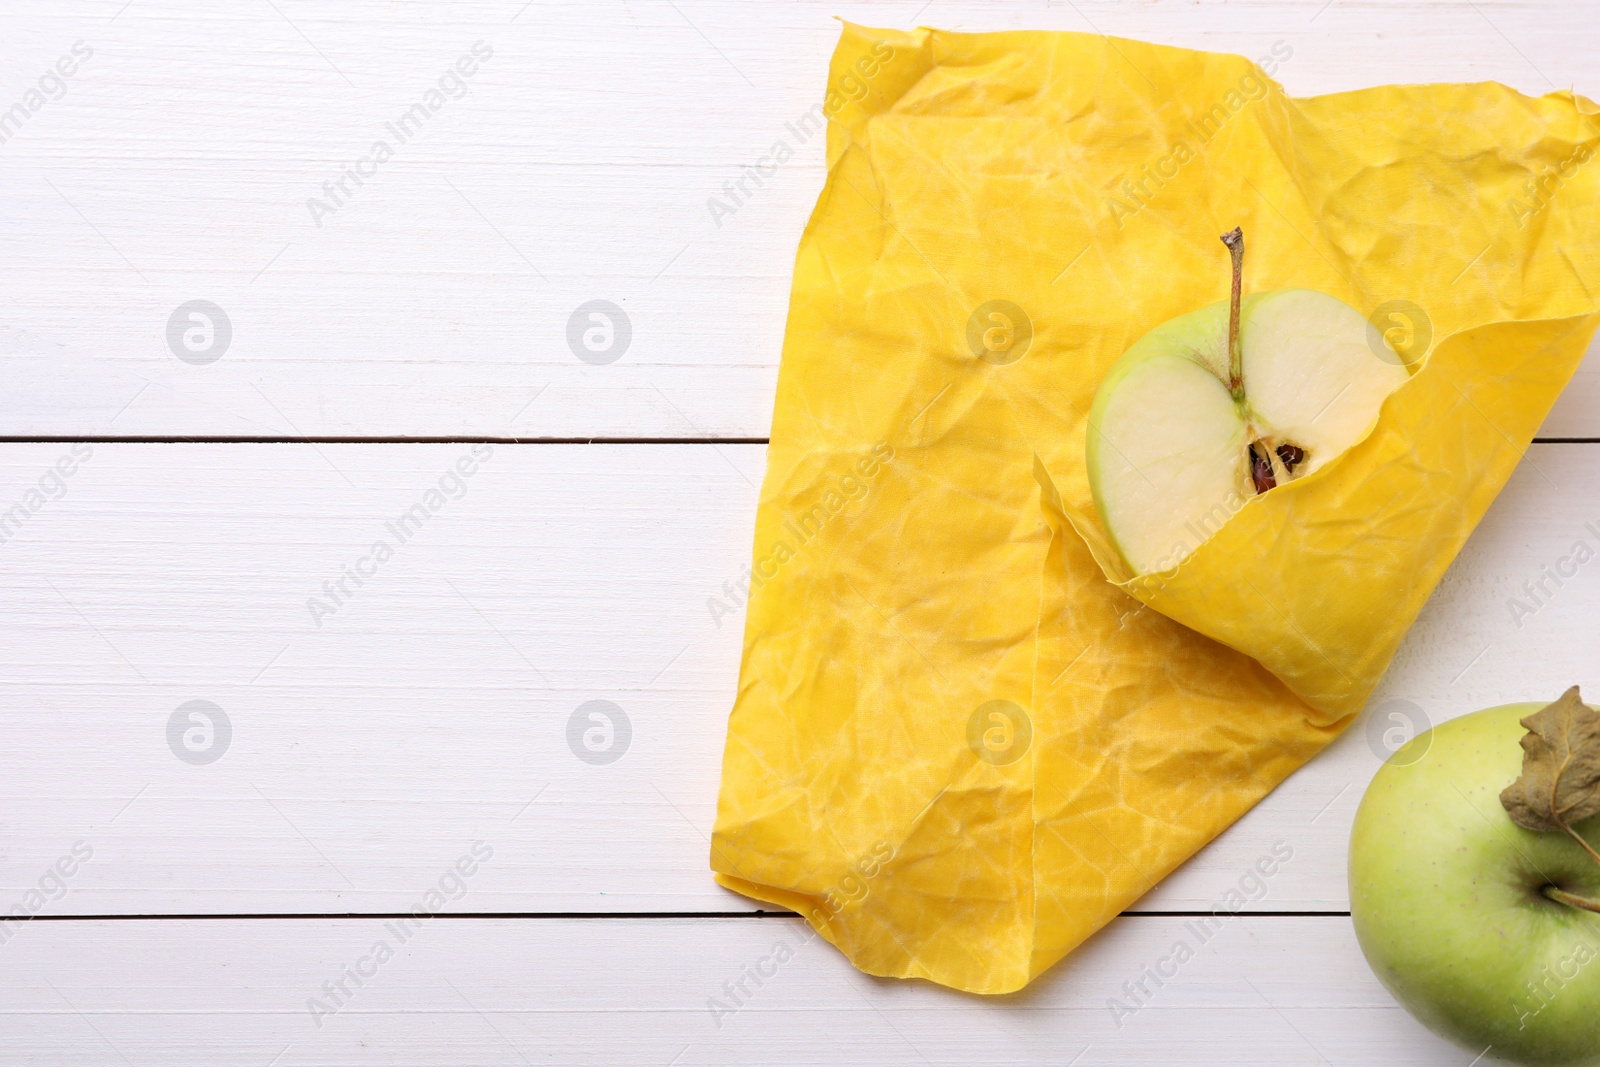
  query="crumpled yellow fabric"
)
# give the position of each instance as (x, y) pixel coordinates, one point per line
(960, 745)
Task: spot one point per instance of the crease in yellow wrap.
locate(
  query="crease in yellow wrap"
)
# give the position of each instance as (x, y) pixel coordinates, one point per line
(964, 738)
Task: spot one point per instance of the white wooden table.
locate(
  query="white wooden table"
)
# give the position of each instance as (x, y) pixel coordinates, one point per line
(237, 875)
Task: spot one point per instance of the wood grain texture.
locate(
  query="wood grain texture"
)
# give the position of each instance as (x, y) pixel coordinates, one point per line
(431, 709)
(432, 706)
(435, 301)
(1274, 992)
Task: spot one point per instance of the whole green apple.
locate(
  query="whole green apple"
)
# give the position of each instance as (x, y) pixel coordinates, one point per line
(1451, 904)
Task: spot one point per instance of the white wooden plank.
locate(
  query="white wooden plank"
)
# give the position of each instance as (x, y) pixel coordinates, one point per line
(432, 707)
(178, 165)
(1272, 991)
(565, 574)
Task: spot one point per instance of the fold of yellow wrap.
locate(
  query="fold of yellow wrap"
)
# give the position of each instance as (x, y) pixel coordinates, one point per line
(1320, 579)
(957, 748)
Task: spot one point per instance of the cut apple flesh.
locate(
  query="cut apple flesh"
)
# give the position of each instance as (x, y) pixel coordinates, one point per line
(1173, 453)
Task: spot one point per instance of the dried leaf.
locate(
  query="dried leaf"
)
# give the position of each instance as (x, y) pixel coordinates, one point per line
(1560, 780)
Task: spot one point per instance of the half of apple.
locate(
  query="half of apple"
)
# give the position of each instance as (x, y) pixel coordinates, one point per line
(1224, 403)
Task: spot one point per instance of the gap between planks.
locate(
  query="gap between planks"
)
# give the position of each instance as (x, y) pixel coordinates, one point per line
(562, 915)
(203, 439)
(224, 440)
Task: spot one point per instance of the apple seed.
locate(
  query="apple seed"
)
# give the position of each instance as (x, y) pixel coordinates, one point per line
(1261, 468)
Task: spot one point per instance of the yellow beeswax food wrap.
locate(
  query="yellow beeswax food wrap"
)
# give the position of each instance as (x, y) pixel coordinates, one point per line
(964, 739)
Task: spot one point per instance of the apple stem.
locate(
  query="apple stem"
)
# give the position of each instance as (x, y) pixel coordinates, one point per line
(1561, 896)
(1574, 835)
(1234, 239)
(1572, 900)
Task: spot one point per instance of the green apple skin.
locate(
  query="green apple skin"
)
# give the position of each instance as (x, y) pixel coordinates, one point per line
(1445, 895)
(1195, 342)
